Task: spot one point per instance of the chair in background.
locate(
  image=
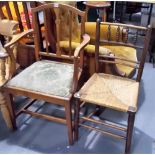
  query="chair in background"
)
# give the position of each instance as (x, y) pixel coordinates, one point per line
(8, 29)
(114, 92)
(54, 80)
(18, 11)
(101, 7)
(21, 12)
(112, 35)
(116, 35)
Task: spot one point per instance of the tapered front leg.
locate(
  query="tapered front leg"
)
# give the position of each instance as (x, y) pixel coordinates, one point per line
(69, 122)
(131, 119)
(76, 120)
(5, 111)
(9, 101)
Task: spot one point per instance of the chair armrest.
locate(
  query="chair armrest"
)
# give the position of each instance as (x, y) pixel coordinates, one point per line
(85, 42)
(9, 49)
(77, 66)
(17, 37)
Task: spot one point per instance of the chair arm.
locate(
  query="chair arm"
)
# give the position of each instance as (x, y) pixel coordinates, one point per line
(17, 37)
(85, 42)
(9, 48)
(77, 70)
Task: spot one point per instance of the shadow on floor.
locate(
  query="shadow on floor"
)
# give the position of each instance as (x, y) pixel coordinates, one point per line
(47, 137)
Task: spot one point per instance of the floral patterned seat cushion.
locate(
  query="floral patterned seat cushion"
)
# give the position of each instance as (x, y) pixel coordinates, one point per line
(49, 77)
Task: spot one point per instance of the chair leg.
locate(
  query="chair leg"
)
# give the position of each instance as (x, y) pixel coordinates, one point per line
(10, 103)
(69, 122)
(131, 119)
(76, 119)
(5, 111)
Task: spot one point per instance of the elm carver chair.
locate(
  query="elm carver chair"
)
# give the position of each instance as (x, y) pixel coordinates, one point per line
(111, 91)
(54, 80)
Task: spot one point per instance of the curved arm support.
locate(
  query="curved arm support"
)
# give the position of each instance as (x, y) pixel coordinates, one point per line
(79, 51)
(10, 46)
(85, 42)
(17, 37)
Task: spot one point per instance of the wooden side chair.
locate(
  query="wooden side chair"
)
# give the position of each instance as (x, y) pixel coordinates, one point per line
(111, 91)
(54, 80)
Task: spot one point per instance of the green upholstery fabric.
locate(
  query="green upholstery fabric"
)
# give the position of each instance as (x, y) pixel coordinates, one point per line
(49, 77)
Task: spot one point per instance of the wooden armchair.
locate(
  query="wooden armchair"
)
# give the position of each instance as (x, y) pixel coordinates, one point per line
(53, 80)
(111, 91)
(8, 28)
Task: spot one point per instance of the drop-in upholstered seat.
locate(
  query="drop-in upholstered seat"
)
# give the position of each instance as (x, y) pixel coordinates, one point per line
(111, 91)
(50, 77)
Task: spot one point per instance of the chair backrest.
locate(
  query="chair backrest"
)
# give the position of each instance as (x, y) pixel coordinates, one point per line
(19, 11)
(47, 41)
(136, 37)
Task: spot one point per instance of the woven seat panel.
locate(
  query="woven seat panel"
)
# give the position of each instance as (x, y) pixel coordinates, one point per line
(111, 91)
(47, 77)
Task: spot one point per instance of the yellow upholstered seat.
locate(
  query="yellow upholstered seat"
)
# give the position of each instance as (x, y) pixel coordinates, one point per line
(89, 48)
(90, 28)
(121, 51)
(124, 52)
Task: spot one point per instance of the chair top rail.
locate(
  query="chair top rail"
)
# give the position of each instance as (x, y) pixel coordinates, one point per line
(57, 5)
